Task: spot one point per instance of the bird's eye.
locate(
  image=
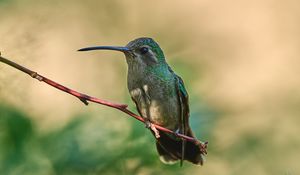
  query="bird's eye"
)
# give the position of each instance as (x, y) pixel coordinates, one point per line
(144, 50)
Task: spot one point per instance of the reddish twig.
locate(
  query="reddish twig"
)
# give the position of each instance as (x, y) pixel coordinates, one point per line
(85, 98)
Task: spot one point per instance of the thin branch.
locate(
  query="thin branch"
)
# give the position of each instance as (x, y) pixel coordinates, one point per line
(85, 98)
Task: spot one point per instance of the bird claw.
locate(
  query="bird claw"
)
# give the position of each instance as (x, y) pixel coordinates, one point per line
(149, 125)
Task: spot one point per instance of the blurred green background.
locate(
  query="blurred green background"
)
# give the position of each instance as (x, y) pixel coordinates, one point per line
(239, 60)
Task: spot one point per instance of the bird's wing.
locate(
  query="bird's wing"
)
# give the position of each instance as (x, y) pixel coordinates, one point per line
(183, 99)
(137, 106)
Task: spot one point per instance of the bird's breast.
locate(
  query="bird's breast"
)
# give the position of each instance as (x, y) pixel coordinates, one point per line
(156, 99)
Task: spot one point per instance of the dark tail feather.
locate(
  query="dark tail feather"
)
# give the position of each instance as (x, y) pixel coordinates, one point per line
(169, 148)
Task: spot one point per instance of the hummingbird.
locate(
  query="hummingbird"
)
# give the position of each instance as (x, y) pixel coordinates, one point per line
(160, 98)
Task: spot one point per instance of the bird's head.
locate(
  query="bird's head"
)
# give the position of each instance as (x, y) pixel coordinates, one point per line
(144, 51)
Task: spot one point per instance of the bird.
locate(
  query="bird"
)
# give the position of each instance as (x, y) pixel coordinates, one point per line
(160, 97)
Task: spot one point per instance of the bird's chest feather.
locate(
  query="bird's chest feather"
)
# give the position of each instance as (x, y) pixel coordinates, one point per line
(155, 98)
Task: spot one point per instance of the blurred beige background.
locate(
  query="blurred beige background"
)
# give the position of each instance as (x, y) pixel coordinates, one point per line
(240, 57)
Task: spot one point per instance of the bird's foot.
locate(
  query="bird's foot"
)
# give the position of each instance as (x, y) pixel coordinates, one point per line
(149, 125)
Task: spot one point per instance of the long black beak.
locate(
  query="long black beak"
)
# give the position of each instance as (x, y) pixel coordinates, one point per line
(117, 48)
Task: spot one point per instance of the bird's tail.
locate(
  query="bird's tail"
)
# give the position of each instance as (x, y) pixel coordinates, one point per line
(170, 148)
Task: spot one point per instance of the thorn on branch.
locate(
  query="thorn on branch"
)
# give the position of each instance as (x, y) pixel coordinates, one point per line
(84, 101)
